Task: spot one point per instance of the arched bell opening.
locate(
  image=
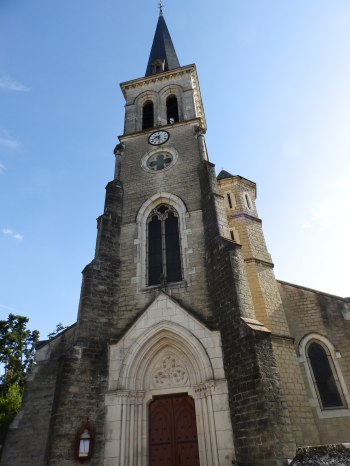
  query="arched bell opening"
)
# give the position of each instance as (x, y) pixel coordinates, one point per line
(172, 109)
(148, 115)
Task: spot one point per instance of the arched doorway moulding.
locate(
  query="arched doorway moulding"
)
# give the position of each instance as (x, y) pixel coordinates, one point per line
(134, 384)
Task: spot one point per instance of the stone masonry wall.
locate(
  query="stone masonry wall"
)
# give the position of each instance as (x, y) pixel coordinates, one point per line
(260, 418)
(84, 368)
(294, 391)
(180, 180)
(28, 438)
(309, 311)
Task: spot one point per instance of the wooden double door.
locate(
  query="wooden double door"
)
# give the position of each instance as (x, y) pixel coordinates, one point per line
(173, 432)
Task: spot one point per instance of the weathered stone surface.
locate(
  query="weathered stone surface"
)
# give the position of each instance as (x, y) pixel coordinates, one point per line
(260, 418)
(337, 455)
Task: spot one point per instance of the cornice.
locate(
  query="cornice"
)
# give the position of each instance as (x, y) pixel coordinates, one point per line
(166, 75)
(259, 261)
(241, 214)
(125, 137)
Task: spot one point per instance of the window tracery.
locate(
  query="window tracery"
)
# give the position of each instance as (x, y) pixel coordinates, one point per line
(164, 257)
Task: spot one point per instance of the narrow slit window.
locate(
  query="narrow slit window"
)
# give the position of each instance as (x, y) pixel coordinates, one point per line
(172, 109)
(232, 235)
(164, 256)
(324, 376)
(148, 115)
(229, 200)
(247, 201)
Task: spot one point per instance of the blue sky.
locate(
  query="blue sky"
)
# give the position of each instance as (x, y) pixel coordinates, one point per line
(274, 77)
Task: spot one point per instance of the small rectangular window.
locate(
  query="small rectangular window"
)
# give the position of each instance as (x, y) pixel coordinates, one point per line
(229, 200)
(232, 235)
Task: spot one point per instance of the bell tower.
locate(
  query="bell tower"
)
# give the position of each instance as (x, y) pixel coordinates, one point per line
(158, 161)
(168, 363)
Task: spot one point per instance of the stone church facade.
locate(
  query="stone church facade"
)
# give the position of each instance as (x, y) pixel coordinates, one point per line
(187, 351)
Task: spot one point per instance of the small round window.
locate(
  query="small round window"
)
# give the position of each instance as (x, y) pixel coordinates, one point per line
(158, 160)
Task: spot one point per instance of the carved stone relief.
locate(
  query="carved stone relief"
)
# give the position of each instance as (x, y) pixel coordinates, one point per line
(169, 372)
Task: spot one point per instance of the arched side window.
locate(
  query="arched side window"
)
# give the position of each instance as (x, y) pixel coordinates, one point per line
(324, 375)
(163, 241)
(172, 109)
(148, 115)
(329, 392)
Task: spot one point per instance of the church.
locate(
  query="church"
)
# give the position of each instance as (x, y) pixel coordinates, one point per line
(186, 351)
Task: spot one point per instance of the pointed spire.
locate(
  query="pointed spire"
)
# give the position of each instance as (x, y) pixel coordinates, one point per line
(163, 56)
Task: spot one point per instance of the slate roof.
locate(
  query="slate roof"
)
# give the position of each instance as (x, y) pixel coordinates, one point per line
(224, 174)
(162, 48)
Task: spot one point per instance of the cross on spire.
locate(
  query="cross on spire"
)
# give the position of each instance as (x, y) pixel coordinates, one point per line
(160, 6)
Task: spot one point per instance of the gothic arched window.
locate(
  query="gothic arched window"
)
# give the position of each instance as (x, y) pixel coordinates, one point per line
(172, 109)
(148, 115)
(324, 376)
(163, 252)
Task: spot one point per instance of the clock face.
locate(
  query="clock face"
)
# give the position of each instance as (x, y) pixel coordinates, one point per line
(158, 138)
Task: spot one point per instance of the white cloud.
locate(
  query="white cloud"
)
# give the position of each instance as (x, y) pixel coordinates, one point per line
(2, 169)
(10, 85)
(7, 140)
(10, 232)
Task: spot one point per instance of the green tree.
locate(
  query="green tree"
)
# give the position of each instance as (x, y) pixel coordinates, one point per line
(17, 347)
(59, 328)
(9, 407)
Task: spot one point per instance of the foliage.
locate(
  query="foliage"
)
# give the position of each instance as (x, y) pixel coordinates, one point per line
(17, 347)
(9, 407)
(59, 328)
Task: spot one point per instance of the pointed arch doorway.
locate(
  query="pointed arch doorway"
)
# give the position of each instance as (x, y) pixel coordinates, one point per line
(173, 431)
